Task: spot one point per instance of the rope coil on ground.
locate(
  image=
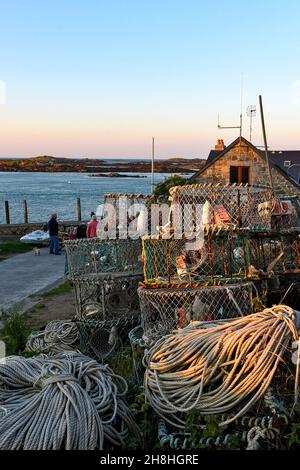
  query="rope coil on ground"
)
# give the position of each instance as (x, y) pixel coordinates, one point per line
(58, 336)
(66, 401)
(219, 366)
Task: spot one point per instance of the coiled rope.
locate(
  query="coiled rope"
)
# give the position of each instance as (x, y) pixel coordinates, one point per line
(219, 366)
(66, 401)
(58, 336)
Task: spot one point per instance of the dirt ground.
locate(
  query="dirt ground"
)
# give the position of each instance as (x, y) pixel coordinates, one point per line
(56, 307)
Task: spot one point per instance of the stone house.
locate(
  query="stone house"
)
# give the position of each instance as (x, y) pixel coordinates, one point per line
(242, 162)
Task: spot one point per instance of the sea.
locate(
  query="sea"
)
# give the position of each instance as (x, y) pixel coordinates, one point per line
(47, 192)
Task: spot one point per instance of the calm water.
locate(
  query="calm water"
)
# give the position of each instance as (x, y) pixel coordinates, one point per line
(46, 192)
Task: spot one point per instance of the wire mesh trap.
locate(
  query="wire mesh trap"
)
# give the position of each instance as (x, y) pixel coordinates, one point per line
(216, 260)
(99, 339)
(165, 310)
(138, 346)
(223, 257)
(107, 296)
(86, 256)
(127, 213)
(289, 293)
(233, 205)
(276, 251)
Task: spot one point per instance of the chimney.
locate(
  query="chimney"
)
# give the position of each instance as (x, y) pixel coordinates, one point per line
(220, 145)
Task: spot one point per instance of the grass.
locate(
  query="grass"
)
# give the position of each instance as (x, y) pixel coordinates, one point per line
(13, 247)
(15, 331)
(63, 288)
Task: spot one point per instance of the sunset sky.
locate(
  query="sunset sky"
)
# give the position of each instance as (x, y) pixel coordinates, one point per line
(99, 78)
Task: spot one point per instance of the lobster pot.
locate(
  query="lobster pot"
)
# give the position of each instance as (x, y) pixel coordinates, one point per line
(166, 310)
(91, 256)
(107, 297)
(125, 210)
(213, 260)
(231, 205)
(100, 339)
(138, 347)
(278, 252)
(288, 294)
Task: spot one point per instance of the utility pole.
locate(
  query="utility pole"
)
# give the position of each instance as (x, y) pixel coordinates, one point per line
(265, 141)
(152, 167)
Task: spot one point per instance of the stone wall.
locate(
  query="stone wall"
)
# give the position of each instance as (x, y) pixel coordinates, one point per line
(245, 155)
(18, 230)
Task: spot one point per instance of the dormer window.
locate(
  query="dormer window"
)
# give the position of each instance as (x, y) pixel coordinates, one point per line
(239, 174)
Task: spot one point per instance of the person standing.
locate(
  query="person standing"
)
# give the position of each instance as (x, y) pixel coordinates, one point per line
(92, 227)
(53, 233)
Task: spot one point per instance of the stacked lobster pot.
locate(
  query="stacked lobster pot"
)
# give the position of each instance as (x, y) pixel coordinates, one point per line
(105, 273)
(206, 260)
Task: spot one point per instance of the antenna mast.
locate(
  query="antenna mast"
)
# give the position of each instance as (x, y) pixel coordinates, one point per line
(241, 115)
(251, 112)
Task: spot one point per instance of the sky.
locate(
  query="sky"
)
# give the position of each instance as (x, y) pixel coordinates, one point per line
(100, 78)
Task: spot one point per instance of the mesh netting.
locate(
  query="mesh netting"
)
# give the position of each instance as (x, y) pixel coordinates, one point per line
(93, 255)
(232, 205)
(165, 310)
(138, 348)
(217, 260)
(106, 297)
(122, 211)
(288, 294)
(98, 339)
(278, 252)
(220, 258)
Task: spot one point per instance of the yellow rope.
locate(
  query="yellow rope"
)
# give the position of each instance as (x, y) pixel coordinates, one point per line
(218, 366)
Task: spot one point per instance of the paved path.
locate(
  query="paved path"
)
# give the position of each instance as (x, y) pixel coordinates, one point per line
(24, 275)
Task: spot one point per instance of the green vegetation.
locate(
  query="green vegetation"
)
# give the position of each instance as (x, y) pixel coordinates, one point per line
(15, 332)
(13, 247)
(63, 288)
(147, 422)
(162, 189)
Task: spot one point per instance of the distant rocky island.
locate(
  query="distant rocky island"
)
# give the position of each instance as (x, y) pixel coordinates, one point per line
(116, 175)
(99, 167)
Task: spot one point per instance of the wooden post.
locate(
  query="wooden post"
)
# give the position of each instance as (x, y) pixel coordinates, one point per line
(265, 142)
(78, 209)
(7, 212)
(25, 211)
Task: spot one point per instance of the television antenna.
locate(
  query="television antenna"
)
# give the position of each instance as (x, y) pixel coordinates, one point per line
(251, 112)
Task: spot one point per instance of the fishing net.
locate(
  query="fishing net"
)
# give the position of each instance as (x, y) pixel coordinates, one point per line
(138, 346)
(106, 296)
(216, 260)
(85, 256)
(237, 205)
(99, 339)
(165, 310)
(125, 215)
(277, 251)
(221, 257)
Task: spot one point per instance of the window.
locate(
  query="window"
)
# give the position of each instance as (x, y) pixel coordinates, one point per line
(239, 174)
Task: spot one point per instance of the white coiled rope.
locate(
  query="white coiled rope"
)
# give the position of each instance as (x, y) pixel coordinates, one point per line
(66, 401)
(58, 336)
(219, 366)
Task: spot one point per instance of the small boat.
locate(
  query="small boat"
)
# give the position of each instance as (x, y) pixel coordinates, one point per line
(36, 237)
